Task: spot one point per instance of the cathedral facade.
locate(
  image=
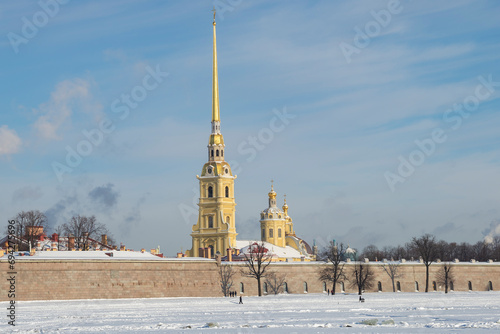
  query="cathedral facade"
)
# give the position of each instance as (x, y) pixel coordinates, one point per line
(215, 231)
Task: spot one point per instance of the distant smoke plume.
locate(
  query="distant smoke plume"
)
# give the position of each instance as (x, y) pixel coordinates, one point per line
(492, 231)
(133, 218)
(104, 196)
(56, 214)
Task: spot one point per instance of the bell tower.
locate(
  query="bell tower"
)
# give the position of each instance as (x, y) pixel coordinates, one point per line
(215, 230)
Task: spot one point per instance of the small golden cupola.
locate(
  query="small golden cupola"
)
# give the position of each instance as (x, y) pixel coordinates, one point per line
(289, 224)
(272, 222)
(285, 207)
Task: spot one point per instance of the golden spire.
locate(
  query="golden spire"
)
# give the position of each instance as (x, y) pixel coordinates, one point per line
(215, 83)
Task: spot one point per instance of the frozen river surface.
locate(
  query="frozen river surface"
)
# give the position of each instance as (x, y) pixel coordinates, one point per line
(456, 312)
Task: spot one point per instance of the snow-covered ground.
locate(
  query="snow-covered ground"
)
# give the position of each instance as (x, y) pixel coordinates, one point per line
(313, 313)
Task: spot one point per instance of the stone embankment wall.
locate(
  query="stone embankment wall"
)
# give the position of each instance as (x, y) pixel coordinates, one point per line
(103, 279)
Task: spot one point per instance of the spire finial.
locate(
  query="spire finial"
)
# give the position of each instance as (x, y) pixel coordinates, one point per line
(272, 184)
(213, 10)
(285, 198)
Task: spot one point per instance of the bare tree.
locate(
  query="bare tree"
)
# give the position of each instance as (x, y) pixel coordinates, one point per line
(495, 248)
(226, 274)
(463, 252)
(334, 271)
(30, 225)
(411, 252)
(482, 251)
(444, 250)
(59, 230)
(426, 247)
(362, 277)
(445, 275)
(275, 282)
(256, 262)
(372, 252)
(84, 228)
(392, 269)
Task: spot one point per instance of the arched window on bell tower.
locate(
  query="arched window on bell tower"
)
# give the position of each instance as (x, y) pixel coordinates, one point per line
(210, 192)
(227, 191)
(210, 221)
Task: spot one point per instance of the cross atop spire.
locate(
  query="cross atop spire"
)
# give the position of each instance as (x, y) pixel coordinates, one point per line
(213, 10)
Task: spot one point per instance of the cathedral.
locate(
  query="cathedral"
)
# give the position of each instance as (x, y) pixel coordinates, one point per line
(215, 231)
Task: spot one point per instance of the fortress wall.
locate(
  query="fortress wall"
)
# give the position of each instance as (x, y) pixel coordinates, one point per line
(297, 274)
(98, 279)
(103, 279)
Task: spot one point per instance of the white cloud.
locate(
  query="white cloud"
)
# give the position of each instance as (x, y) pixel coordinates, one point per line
(68, 96)
(10, 142)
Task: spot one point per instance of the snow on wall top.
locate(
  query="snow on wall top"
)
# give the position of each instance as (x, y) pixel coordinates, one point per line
(99, 255)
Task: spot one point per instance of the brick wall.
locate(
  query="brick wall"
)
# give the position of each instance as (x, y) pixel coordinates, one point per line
(101, 279)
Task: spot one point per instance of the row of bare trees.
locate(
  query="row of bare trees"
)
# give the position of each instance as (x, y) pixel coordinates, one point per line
(428, 250)
(445, 251)
(361, 275)
(31, 224)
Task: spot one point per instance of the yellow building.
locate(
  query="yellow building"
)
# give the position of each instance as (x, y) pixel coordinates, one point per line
(277, 232)
(273, 222)
(215, 230)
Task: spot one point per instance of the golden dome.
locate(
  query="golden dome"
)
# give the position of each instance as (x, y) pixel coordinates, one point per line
(285, 206)
(272, 193)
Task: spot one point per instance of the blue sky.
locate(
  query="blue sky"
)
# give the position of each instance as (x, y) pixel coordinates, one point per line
(392, 126)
